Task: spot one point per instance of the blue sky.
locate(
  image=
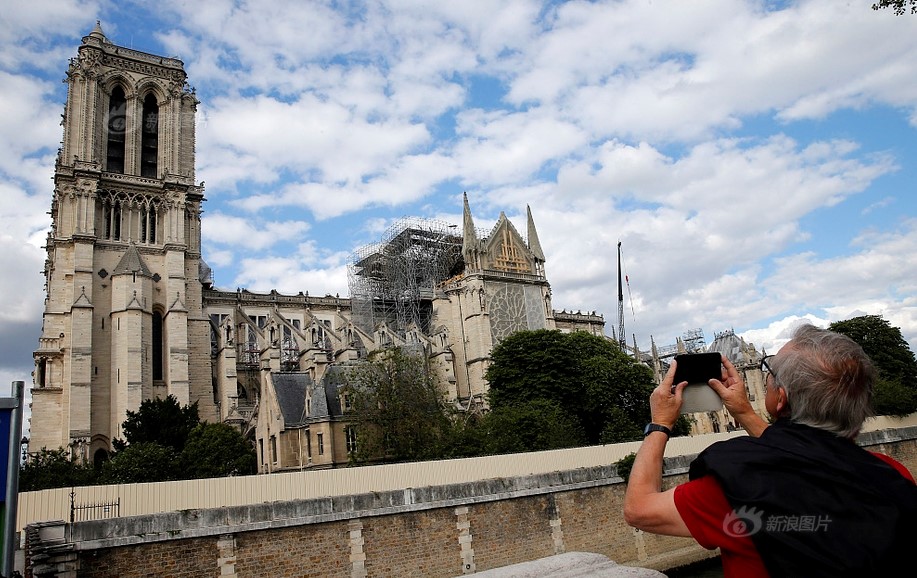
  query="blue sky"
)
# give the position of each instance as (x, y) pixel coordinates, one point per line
(757, 160)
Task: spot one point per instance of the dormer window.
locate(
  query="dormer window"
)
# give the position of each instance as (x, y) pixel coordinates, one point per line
(117, 124)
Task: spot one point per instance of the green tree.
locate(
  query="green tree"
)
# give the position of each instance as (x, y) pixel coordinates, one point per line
(398, 408)
(899, 6)
(529, 426)
(625, 465)
(54, 469)
(216, 450)
(160, 420)
(620, 428)
(531, 365)
(141, 462)
(604, 392)
(467, 436)
(164, 441)
(896, 388)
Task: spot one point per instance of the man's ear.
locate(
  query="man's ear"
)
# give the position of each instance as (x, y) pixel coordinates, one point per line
(783, 405)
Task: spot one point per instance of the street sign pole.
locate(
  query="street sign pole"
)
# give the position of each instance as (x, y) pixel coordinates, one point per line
(10, 436)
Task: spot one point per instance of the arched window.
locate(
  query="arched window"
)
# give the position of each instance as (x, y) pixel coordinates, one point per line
(41, 374)
(117, 123)
(149, 138)
(99, 458)
(112, 216)
(148, 223)
(144, 222)
(157, 346)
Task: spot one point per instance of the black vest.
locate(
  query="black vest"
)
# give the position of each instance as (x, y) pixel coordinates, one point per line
(813, 503)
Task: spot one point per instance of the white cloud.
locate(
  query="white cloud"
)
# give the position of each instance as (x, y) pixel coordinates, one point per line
(496, 148)
(21, 282)
(287, 275)
(241, 232)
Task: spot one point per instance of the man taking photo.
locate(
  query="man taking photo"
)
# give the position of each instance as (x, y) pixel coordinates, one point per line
(797, 497)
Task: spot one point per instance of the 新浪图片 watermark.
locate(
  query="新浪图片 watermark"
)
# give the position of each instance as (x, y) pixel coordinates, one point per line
(747, 521)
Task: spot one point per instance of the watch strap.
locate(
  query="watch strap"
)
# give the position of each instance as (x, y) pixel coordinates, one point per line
(651, 427)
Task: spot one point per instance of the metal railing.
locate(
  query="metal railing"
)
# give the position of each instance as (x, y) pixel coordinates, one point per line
(93, 510)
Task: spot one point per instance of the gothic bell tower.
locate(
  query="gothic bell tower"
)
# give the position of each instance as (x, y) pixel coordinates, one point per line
(123, 318)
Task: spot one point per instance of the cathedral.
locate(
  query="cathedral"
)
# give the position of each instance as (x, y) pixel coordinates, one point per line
(131, 312)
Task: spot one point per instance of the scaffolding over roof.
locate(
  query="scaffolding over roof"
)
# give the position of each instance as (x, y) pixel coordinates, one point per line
(393, 281)
(692, 341)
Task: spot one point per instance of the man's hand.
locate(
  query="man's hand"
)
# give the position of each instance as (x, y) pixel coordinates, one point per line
(665, 401)
(731, 389)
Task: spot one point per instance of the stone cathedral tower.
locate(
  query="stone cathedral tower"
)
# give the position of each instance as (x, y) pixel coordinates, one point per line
(123, 318)
(503, 289)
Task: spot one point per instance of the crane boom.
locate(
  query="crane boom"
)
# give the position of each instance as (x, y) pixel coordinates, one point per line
(622, 338)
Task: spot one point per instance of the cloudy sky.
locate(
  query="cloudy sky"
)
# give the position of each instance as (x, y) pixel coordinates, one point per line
(756, 159)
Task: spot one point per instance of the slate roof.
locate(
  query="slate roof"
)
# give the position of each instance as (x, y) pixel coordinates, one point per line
(335, 378)
(730, 345)
(290, 389)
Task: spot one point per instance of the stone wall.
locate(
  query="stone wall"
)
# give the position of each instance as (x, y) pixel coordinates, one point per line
(176, 558)
(436, 531)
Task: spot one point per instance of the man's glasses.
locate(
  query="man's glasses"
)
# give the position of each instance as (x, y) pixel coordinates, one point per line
(766, 368)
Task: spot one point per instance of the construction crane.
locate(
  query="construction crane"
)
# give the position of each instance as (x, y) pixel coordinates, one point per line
(622, 338)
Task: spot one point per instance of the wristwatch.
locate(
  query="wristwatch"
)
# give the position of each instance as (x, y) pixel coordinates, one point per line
(651, 427)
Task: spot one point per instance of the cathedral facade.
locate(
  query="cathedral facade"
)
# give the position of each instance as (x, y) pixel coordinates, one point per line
(131, 312)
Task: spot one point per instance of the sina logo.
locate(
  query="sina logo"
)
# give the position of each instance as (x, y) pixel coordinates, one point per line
(743, 522)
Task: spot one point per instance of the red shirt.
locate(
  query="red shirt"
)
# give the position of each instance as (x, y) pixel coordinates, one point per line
(704, 509)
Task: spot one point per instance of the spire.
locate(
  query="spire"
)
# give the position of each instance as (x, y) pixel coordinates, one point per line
(96, 37)
(534, 245)
(469, 237)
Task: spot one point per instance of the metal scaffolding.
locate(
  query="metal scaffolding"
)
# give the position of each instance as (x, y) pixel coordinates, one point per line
(692, 341)
(394, 281)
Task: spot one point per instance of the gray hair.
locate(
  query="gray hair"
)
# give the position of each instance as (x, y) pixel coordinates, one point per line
(828, 380)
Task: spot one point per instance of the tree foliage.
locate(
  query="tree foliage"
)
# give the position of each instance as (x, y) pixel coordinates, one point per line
(625, 465)
(216, 450)
(533, 425)
(603, 393)
(398, 408)
(54, 469)
(896, 388)
(164, 441)
(898, 6)
(141, 462)
(162, 421)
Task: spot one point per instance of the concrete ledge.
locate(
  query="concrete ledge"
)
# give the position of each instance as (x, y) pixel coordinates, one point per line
(570, 565)
(882, 436)
(198, 523)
